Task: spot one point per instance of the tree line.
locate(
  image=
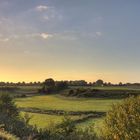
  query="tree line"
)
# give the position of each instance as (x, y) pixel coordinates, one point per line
(99, 82)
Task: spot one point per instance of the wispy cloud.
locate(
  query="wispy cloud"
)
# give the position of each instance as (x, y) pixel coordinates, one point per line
(98, 34)
(44, 36)
(40, 35)
(4, 39)
(41, 8)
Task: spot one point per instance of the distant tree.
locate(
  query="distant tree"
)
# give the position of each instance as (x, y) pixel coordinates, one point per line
(120, 84)
(23, 83)
(109, 84)
(105, 84)
(90, 84)
(94, 83)
(48, 85)
(128, 84)
(49, 82)
(19, 83)
(61, 85)
(77, 83)
(99, 82)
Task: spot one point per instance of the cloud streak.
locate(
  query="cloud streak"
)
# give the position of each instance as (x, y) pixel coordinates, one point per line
(41, 8)
(44, 36)
(98, 34)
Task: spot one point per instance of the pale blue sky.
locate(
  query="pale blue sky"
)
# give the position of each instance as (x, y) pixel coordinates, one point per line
(70, 39)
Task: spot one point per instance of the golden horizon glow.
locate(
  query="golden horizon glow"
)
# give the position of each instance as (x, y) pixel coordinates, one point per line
(69, 41)
(12, 75)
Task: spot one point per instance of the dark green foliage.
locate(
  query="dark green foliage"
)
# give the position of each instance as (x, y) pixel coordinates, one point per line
(49, 82)
(66, 131)
(13, 124)
(11, 120)
(7, 106)
(96, 93)
(50, 86)
(71, 92)
(61, 85)
(67, 126)
(123, 121)
(99, 82)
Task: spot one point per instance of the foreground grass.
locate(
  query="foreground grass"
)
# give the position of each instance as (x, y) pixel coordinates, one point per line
(44, 120)
(57, 102)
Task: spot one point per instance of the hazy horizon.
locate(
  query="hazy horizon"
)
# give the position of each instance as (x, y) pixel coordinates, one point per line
(70, 40)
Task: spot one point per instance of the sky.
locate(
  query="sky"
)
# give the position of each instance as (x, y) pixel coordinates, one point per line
(70, 40)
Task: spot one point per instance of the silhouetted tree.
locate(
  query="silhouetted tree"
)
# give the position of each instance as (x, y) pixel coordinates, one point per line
(48, 85)
(120, 84)
(61, 85)
(99, 82)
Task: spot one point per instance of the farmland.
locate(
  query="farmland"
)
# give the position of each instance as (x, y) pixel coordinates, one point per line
(57, 102)
(61, 103)
(45, 110)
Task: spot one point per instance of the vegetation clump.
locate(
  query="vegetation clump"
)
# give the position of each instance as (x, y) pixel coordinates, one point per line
(11, 120)
(123, 121)
(50, 86)
(101, 93)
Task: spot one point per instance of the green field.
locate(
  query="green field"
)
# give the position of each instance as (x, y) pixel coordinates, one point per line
(57, 102)
(44, 120)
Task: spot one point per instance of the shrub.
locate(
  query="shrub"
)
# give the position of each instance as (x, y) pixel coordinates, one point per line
(7, 106)
(66, 131)
(10, 118)
(6, 136)
(123, 121)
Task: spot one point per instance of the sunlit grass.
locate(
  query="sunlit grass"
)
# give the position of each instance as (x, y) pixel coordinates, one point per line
(56, 102)
(44, 120)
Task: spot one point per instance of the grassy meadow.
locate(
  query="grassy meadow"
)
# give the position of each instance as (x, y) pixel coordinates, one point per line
(56, 102)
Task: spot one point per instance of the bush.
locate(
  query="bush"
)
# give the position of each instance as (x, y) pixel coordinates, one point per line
(10, 118)
(6, 136)
(123, 121)
(66, 131)
(7, 106)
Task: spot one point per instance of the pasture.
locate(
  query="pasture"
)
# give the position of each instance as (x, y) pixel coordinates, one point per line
(57, 103)
(67, 104)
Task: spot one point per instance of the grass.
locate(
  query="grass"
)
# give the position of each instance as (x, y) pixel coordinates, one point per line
(98, 124)
(56, 102)
(44, 120)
